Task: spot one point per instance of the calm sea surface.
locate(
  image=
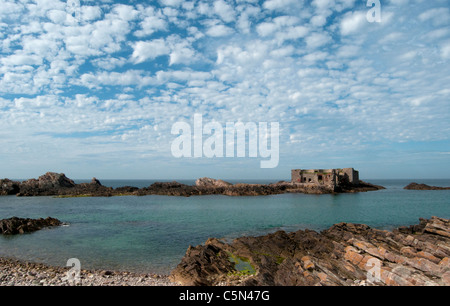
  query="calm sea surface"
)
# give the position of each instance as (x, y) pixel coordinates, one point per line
(152, 233)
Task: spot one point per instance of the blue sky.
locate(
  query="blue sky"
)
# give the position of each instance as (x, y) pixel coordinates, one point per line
(96, 93)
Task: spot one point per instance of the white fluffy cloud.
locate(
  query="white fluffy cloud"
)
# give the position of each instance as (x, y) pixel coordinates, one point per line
(278, 4)
(224, 10)
(153, 21)
(219, 30)
(144, 50)
(316, 40)
(353, 22)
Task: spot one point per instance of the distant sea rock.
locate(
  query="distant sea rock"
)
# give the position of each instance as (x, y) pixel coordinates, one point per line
(416, 186)
(14, 225)
(344, 255)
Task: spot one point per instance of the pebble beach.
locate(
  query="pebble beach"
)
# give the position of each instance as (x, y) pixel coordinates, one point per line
(19, 273)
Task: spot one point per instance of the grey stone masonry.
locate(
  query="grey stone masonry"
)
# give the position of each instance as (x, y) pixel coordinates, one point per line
(330, 178)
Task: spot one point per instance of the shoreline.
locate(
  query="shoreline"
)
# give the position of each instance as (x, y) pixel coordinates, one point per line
(15, 272)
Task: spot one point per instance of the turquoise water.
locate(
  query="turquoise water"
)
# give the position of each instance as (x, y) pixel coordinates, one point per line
(152, 233)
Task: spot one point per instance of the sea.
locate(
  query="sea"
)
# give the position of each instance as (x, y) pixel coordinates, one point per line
(150, 234)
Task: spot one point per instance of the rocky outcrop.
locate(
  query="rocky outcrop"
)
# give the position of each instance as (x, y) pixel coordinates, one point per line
(16, 225)
(170, 189)
(207, 182)
(47, 184)
(94, 188)
(57, 184)
(8, 187)
(344, 255)
(416, 186)
(360, 187)
(48, 181)
(203, 266)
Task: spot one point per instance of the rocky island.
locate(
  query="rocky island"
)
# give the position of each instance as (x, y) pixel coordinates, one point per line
(57, 184)
(14, 225)
(343, 255)
(416, 186)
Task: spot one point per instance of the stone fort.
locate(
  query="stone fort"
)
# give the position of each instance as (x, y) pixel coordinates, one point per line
(330, 178)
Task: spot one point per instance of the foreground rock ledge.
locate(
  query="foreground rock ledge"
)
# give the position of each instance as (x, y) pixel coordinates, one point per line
(344, 255)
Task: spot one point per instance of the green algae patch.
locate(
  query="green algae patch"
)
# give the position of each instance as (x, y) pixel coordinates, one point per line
(242, 265)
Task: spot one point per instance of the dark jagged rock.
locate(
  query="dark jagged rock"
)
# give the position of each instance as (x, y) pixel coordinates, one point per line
(252, 190)
(8, 187)
(360, 187)
(203, 265)
(167, 185)
(169, 188)
(14, 225)
(416, 186)
(96, 182)
(54, 184)
(94, 188)
(50, 180)
(344, 255)
(47, 184)
(126, 190)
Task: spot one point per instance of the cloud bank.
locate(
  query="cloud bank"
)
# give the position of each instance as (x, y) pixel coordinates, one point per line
(95, 89)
